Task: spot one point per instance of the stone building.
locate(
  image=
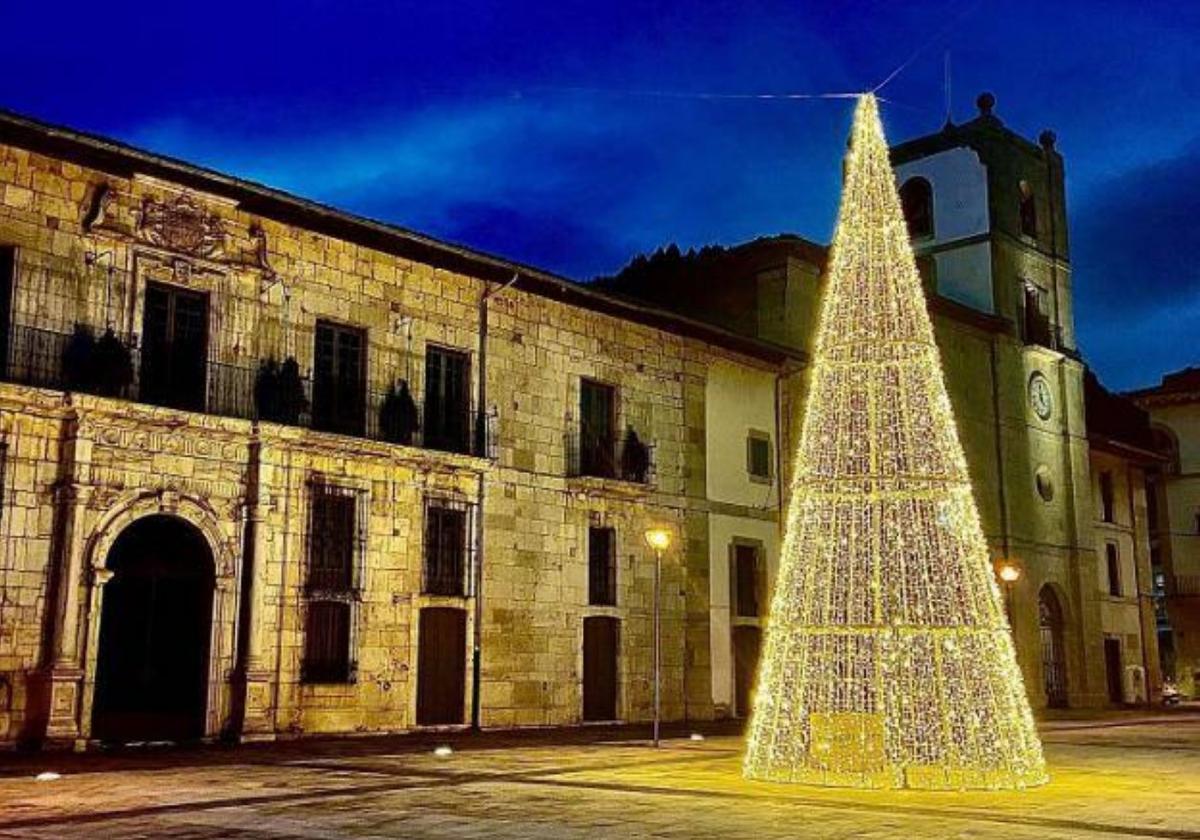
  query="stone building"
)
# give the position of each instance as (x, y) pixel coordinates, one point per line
(986, 210)
(268, 469)
(1173, 491)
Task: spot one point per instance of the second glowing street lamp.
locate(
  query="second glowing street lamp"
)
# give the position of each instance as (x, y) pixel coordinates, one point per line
(658, 539)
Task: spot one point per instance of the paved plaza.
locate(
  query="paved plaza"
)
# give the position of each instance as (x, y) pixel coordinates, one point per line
(1126, 776)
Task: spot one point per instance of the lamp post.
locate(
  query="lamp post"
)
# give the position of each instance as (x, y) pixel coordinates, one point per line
(1009, 572)
(658, 539)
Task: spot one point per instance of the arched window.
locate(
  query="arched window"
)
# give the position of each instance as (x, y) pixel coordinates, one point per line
(1029, 225)
(916, 197)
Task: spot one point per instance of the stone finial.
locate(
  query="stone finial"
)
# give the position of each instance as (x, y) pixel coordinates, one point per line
(1047, 139)
(986, 103)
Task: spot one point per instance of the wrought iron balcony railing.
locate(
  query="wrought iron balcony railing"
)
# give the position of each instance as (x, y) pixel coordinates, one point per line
(623, 457)
(267, 391)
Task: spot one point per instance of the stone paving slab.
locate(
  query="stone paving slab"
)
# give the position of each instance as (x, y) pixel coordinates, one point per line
(1141, 779)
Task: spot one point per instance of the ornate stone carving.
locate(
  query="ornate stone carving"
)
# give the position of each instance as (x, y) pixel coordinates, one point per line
(97, 213)
(182, 225)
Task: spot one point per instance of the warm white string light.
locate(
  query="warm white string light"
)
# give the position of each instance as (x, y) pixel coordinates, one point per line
(888, 658)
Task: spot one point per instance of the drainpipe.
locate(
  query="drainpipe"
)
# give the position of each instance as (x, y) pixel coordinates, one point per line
(481, 441)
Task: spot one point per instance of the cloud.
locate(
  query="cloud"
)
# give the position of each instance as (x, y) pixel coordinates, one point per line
(1136, 274)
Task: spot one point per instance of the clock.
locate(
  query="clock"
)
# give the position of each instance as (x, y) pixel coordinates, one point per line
(1040, 398)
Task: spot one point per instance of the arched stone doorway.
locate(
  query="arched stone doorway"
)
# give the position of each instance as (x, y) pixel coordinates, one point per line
(155, 626)
(1054, 667)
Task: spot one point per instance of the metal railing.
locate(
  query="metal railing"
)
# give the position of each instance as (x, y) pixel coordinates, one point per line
(267, 390)
(619, 456)
(1188, 585)
(1040, 330)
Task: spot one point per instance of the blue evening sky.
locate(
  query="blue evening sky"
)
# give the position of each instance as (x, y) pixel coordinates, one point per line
(524, 129)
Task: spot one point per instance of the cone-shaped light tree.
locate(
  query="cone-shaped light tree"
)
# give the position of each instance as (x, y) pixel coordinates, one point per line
(888, 660)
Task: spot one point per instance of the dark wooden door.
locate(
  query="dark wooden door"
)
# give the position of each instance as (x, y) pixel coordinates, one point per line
(1112, 670)
(155, 624)
(7, 282)
(441, 666)
(600, 638)
(597, 429)
(339, 379)
(447, 399)
(747, 645)
(174, 370)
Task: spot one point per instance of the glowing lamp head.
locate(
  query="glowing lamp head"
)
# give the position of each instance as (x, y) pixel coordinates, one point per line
(1008, 571)
(658, 538)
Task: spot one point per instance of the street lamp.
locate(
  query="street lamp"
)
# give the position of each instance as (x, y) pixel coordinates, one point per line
(1009, 572)
(658, 539)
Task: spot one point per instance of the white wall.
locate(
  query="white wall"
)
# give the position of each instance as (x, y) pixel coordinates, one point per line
(738, 399)
(964, 274)
(960, 193)
(722, 530)
(960, 211)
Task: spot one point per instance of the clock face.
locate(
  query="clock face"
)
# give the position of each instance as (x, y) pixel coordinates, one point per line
(1039, 396)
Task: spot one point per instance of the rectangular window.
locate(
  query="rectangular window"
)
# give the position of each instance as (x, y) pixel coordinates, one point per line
(447, 400)
(597, 429)
(8, 264)
(174, 369)
(3, 475)
(337, 536)
(747, 579)
(339, 379)
(602, 567)
(447, 547)
(1106, 496)
(1038, 327)
(758, 456)
(1114, 569)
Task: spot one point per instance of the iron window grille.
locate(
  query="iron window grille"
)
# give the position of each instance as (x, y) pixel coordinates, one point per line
(337, 546)
(449, 551)
(3, 476)
(602, 567)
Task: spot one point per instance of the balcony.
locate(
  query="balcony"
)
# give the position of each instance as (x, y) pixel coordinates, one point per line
(1039, 330)
(619, 457)
(108, 366)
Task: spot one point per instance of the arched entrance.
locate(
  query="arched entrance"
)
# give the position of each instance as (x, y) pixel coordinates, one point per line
(1054, 669)
(155, 625)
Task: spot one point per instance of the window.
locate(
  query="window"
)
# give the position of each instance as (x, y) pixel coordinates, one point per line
(339, 379)
(602, 567)
(597, 429)
(747, 581)
(1114, 569)
(447, 542)
(916, 197)
(447, 400)
(1038, 327)
(337, 533)
(1106, 496)
(758, 456)
(174, 347)
(1028, 207)
(3, 473)
(7, 282)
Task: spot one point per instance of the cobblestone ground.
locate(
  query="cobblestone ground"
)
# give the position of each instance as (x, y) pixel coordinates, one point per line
(1130, 776)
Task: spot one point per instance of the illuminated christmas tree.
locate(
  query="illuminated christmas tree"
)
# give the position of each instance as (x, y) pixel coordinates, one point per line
(888, 659)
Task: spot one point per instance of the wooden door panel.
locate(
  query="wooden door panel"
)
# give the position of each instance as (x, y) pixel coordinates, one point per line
(441, 666)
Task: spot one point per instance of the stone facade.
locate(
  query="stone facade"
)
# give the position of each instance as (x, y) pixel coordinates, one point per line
(90, 228)
(1173, 491)
(995, 257)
